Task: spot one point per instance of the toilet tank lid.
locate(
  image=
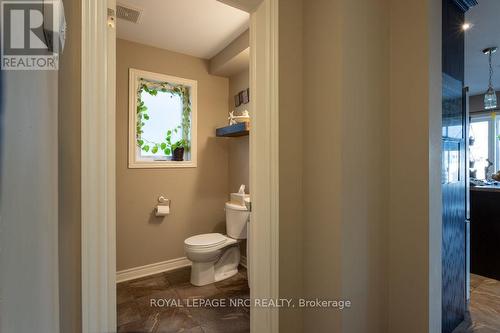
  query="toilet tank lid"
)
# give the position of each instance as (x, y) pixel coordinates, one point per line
(233, 206)
(206, 240)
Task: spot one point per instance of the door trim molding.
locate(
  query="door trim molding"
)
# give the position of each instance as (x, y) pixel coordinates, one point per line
(98, 169)
(264, 161)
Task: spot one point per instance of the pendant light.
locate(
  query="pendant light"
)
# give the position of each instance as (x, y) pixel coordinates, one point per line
(490, 98)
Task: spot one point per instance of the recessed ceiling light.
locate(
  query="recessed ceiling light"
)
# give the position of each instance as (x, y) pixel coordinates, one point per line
(466, 26)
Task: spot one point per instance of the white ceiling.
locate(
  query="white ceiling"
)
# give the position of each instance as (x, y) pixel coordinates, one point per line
(484, 33)
(200, 28)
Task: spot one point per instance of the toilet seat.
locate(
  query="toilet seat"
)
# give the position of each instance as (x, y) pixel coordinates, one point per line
(207, 242)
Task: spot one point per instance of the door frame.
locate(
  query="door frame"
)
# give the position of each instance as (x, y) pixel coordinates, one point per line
(98, 203)
(98, 199)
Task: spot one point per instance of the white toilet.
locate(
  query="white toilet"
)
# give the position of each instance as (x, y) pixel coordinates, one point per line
(216, 257)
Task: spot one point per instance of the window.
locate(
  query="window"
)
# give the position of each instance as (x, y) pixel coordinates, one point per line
(162, 121)
(484, 144)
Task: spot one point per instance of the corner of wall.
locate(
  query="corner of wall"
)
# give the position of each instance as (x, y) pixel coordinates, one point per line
(414, 224)
(435, 236)
(290, 160)
(69, 143)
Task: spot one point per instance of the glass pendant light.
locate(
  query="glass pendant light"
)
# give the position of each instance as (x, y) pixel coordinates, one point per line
(490, 98)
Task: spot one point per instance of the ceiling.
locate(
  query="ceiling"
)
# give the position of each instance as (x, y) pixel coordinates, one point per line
(200, 28)
(484, 33)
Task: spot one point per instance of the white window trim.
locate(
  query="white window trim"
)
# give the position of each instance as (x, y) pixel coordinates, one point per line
(133, 163)
(493, 131)
(497, 143)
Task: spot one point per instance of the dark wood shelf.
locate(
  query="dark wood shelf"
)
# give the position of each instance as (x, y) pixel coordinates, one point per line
(240, 129)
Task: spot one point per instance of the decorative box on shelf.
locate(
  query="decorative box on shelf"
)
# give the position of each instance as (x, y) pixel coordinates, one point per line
(239, 129)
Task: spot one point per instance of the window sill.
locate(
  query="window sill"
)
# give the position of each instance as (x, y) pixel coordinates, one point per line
(161, 164)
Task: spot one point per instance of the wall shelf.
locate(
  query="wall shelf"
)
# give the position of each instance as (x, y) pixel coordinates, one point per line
(240, 129)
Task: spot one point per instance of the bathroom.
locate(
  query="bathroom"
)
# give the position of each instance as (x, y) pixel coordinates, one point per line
(181, 169)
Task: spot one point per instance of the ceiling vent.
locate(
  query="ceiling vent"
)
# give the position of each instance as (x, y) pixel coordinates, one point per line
(128, 13)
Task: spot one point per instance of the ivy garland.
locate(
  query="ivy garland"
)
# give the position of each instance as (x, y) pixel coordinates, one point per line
(166, 145)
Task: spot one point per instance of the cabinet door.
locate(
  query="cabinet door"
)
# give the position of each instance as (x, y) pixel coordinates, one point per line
(453, 170)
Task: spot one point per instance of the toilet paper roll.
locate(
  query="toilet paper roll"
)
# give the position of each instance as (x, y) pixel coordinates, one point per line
(162, 210)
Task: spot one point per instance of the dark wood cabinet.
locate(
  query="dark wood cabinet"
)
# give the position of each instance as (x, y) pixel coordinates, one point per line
(485, 232)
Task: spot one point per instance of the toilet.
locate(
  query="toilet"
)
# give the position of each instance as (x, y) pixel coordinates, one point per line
(215, 256)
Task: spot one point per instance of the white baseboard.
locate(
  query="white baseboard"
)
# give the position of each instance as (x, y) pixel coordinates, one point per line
(243, 261)
(151, 269)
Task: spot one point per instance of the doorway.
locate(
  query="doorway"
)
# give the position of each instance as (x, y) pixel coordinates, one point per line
(470, 165)
(177, 84)
(482, 37)
(98, 175)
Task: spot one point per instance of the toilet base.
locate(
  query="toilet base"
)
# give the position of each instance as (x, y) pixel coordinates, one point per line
(226, 275)
(203, 273)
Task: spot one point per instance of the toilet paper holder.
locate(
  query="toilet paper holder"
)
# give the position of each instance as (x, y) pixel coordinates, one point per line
(163, 207)
(163, 201)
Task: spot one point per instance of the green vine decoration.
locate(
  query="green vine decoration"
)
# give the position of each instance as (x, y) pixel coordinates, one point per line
(166, 145)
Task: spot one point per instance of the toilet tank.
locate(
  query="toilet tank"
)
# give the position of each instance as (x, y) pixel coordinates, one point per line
(236, 220)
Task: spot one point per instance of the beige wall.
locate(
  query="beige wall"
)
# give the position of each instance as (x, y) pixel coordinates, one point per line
(290, 162)
(69, 174)
(364, 158)
(371, 193)
(233, 58)
(197, 194)
(346, 116)
(322, 175)
(415, 168)
(237, 83)
(238, 147)
(238, 163)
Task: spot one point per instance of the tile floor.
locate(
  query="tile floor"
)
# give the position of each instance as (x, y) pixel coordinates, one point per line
(135, 313)
(484, 308)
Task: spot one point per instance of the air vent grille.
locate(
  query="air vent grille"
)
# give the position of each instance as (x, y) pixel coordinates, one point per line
(128, 13)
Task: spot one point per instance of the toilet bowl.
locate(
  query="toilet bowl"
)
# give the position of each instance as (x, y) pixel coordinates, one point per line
(215, 256)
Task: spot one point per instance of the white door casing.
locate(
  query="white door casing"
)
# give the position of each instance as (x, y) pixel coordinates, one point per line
(98, 168)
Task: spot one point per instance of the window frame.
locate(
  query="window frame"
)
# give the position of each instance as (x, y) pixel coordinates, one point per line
(493, 131)
(496, 139)
(133, 162)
